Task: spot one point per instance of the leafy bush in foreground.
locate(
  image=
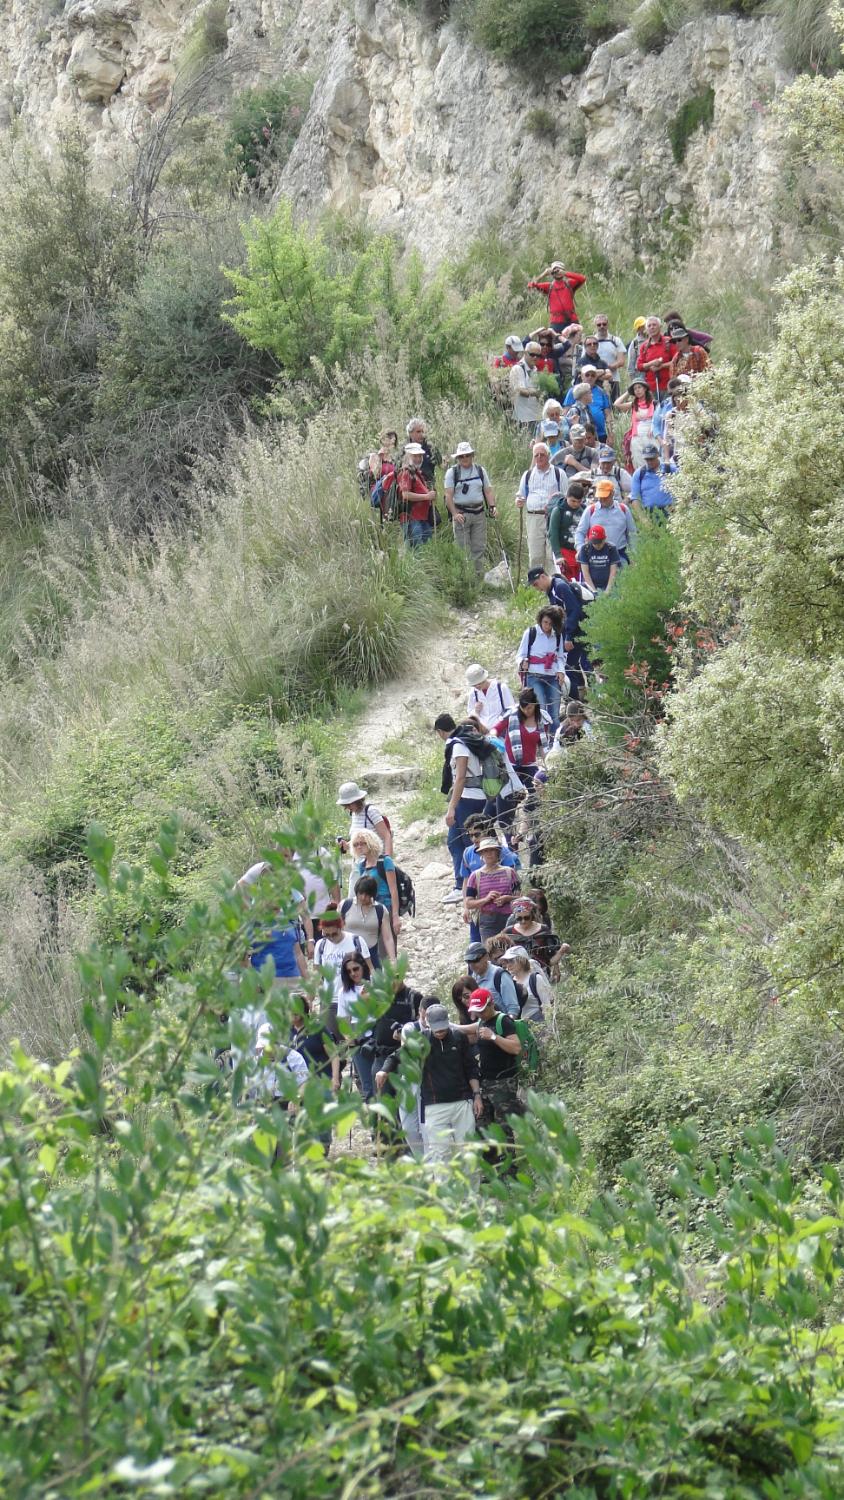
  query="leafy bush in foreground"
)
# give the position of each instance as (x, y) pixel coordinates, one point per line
(194, 1302)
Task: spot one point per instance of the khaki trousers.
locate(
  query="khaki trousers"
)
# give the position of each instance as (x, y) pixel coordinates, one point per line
(539, 551)
(471, 536)
(446, 1128)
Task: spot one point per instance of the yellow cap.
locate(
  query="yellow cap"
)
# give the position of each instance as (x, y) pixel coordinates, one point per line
(637, 324)
(603, 488)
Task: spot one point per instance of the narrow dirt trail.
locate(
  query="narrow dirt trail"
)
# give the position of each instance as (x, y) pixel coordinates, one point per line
(392, 773)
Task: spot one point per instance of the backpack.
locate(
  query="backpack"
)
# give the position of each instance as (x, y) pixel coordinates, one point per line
(404, 888)
(532, 637)
(529, 1055)
(532, 991)
(383, 496)
(494, 773)
(378, 908)
(366, 820)
(478, 472)
(521, 996)
(365, 477)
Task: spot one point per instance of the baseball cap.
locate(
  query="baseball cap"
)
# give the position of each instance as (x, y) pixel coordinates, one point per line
(550, 429)
(474, 950)
(604, 487)
(478, 1001)
(650, 450)
(606, 455)
(597, 534)
(513, 342)
(437, 1017)
(577, 430)
(588, 369)
(534, 573)
(515, 952)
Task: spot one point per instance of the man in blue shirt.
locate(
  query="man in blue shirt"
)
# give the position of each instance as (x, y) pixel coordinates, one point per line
(647, 492)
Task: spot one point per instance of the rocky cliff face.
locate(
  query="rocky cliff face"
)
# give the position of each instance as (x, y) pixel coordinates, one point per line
(423, 133)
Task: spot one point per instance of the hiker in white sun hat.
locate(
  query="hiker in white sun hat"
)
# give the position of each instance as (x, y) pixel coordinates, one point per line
(469, 500)
(489, 699)
(363, 814)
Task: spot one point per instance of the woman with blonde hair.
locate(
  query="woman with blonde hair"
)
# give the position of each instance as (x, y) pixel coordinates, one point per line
(369, 859)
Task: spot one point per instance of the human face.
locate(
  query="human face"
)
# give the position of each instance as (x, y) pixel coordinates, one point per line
(479, 965)
(653, 461)
(652, 328)
(530, 359)
(600, 542)
(467, 460)
(546, 625)
(417, 433)
(365, 901)
(490, 857)
(541, 583)
(359, 848)
(331, 930)
(601, 325)
(355, 972)
(541, 458)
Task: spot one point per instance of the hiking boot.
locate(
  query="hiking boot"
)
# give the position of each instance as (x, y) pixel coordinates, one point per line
(452, 897)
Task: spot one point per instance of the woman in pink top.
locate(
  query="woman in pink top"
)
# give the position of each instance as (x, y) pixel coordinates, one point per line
(640, 404)
(490, 891)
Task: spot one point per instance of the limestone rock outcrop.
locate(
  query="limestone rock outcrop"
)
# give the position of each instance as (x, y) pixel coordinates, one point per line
(423, 133)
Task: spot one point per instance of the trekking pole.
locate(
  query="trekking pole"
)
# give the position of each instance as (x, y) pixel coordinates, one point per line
(521, 533)
(504, 558)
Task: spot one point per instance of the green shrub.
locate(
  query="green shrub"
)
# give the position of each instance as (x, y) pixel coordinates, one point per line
(167, 1230)
(809, 40)
(696, 113)
(302, 299)
(264, 126)
(207, 37)
(522, 32)
(629, 628)
(542, 123)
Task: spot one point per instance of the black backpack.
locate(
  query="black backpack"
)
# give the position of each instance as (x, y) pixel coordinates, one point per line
(404, 886)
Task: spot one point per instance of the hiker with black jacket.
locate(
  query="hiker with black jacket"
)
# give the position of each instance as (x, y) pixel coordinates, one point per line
(450, 1090)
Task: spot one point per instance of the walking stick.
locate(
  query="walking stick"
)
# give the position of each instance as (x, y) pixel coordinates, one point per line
(504, 558)
(521, 533)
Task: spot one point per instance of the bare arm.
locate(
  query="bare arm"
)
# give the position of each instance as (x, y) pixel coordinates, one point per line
(392, 886)
(386, 935)
(611, 580)
(456, 790)
(385, 836)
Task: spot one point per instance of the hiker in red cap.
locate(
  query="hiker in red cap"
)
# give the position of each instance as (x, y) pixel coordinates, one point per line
(499, 1050)
(598, 560)
(560, 292)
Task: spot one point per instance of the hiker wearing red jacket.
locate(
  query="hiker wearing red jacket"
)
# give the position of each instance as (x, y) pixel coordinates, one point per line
(560, 293)
(655, 356)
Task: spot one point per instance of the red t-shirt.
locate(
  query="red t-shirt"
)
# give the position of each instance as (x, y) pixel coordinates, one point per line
(410, 482)
(561, 308)
(657, 349)
(530, 742)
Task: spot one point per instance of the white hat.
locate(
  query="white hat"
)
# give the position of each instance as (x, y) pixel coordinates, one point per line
(517, 952)
(350, 792)
(513, 342)
(588, 369)
(463, 450)
(414, 448)
(488, 844)
(476, 674)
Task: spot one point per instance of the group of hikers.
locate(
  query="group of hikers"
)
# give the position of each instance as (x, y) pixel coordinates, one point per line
(475, 1046)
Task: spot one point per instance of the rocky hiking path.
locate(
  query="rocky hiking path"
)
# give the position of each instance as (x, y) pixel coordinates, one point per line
(395, 754)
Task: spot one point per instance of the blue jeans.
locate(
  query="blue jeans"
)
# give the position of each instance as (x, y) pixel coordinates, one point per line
(417, 532)
(547, 690)
(579, 669)
(458, 841)
(363, 1062)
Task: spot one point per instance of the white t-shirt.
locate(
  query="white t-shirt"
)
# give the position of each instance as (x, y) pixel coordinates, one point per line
(459, 751)
(540, 995)
(315, 892)
(369, 817)
(330, 956)
(267, 1081)
(492, 705)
